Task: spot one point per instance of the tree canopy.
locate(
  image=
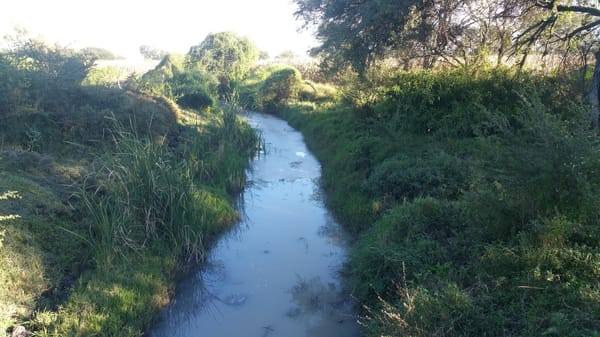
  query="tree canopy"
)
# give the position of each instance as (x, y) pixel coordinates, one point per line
(151, 53)
(356, 33)
(226, 55)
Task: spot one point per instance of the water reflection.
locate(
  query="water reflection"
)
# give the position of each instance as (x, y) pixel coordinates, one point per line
(278, 272)
(322, 307)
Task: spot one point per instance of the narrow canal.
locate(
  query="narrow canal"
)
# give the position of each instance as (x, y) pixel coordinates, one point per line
(278, 272)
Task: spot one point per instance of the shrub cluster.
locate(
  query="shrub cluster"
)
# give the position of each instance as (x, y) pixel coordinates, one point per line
(472, 194)
(270, 88)
(115, 191)
(176, 79)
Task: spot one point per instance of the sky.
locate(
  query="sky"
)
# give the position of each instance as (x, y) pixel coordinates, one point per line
(122, 26)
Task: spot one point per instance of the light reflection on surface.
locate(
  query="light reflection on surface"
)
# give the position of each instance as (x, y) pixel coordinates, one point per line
(278, 272)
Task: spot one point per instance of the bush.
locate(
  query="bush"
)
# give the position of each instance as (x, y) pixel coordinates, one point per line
(190, 87)
(194, 90)
(457, 103)
(413, 241)
(542, 167)
(404, 177)
(474, 198)
(279, 87)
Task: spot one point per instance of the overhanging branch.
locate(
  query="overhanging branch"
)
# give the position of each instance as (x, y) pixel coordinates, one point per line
(579, 9)
(588, 26)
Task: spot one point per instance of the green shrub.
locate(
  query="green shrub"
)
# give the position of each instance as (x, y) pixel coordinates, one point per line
(457, 103)
(176, 80)
(279, 87)
(405, 177)
(194, 90)
(542, 167)
(473, 196)
(413, 241)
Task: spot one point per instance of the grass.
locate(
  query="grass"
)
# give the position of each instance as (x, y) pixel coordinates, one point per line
(37, 262)
(471, 198)
(93, 239)
(107, 195)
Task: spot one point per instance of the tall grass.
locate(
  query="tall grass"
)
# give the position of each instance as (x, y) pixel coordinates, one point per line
(144, 196)
(153, 210)
(110, 214)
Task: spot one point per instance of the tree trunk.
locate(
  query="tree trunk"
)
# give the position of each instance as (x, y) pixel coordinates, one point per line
(594, 94)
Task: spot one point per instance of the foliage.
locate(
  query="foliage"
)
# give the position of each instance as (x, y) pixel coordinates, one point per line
(95, 53)
(188, 86)
(85, 121)
(105, 195)
(144, 196)
(151, 53)
(226, 56)
(194, 90)
(150, 213)
(356, 33)
(423, 33)
(276, 87)
(473, 197)
(103, 76)
(279, 87)
(405, 177)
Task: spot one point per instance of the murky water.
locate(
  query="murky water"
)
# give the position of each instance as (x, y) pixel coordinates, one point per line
(278, 272)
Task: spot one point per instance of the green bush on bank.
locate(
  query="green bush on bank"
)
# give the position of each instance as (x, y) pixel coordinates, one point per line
(176, 79)
(472, 195)
(105, 198)
(152, 210)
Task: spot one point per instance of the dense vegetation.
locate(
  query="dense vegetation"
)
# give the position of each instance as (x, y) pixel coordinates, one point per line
(106, 195)
(471, 191)
(472, 196)
(469, 183)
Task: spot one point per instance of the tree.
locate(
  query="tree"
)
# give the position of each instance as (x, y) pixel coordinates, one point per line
(151, 53)
(225, 55)
(567, 23)
(357, 33)
(53, 73)
(95, 53)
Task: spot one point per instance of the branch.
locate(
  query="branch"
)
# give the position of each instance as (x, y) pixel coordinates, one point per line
(532, 33)
(579, 9)
(588, 26)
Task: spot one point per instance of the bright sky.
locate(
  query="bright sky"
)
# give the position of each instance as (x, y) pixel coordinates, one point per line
(121, 26)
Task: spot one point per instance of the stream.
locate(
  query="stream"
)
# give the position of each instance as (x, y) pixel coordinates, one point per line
(278, 272)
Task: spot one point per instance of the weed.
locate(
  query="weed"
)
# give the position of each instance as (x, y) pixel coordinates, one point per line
(472, 197)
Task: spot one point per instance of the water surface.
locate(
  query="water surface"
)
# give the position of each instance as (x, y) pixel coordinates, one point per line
(277, 273)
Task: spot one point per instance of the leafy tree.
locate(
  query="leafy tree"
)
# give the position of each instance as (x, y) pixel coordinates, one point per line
(280, 86)
(227, 56)
(263, 55)
(566, 22)
(358, 32)
(152, 53)
(94, 53)
(53, 73)
(286, 55)
(13, 87)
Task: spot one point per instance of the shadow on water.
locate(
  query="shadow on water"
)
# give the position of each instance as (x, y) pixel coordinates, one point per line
(279, 271)
(324, 307)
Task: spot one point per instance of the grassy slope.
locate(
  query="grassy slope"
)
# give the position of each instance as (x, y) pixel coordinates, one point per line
(472, 200)
(65, 270)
